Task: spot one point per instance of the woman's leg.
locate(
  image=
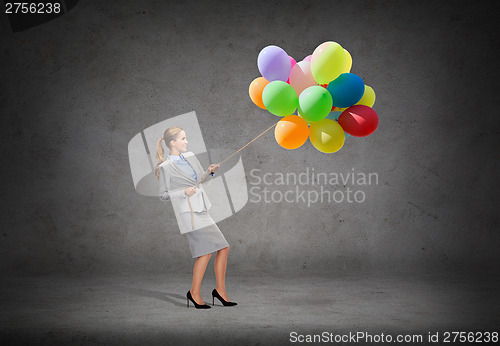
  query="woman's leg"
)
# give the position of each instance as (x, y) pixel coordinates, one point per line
(198, 271)
(220, 271)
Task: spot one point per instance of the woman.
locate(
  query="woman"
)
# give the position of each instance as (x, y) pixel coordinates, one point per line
(178, 173)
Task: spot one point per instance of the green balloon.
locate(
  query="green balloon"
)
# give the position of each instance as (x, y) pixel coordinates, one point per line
(280, 98)
(315, 103)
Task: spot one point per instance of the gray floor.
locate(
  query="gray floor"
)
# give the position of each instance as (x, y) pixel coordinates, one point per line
(151, 308)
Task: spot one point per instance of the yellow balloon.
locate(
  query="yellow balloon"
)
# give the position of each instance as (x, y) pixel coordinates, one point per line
(326, 135)
(327, 62)
(368, 98)
(348, 62)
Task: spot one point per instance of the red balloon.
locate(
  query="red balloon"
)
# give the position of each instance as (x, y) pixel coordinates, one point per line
(359, 120)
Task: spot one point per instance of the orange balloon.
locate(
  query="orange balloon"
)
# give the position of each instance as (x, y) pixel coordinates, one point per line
(291, 132)
(255, 91)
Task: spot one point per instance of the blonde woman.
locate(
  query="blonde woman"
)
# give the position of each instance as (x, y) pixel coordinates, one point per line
(177, 173)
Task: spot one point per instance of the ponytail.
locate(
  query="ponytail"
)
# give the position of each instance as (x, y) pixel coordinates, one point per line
(169, 134)
(160, 155)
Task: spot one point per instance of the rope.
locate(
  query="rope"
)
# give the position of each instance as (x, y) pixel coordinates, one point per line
(219, 164)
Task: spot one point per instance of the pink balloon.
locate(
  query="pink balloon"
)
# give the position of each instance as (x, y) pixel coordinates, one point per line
(308, 58)
(293, 62)
(301, 77)
(359, 120)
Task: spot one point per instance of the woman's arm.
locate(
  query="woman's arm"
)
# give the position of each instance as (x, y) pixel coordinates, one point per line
(166, 195)
(210, 176)
(211, 168)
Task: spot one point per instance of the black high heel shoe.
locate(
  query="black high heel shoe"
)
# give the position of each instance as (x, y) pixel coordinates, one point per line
(225, 303)
(198, 306)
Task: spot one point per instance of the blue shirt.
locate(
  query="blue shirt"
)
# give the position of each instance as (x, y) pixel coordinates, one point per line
(181, 161)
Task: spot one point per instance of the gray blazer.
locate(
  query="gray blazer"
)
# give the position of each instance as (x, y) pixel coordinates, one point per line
(173, 182)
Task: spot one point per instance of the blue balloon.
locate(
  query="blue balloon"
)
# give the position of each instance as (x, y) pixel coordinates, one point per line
(335, 116)
(346, 90)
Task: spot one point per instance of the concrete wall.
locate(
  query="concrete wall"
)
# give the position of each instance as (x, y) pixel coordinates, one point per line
(75, 90)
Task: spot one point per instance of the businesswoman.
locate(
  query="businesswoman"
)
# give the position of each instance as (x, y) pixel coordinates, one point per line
(178, 172)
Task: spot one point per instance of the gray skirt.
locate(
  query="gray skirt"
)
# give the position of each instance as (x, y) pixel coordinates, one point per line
(204, 240)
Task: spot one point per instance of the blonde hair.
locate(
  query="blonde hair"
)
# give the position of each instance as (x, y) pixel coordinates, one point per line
(168, 135)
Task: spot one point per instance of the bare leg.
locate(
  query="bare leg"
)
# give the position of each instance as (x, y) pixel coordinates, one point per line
(198, 271)
(220, 271)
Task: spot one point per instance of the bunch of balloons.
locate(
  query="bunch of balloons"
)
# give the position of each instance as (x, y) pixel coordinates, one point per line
(331, 102)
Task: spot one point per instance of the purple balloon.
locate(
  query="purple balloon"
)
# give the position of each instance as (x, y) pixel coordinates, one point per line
(274, 64)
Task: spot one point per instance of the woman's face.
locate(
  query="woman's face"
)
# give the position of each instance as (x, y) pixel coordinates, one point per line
(180, 143)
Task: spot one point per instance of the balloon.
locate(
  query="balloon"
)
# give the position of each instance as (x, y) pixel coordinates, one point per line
(326, 135)
(348, 62)
(308, 58)
(274, 63)
(291, 132)
(359, 120)
(327, 62)
(368, 98)
(301, 77)
(315, 103)
(335, 116)
(307, 121)
(255, 91)
(279, 98)
(293, 63)
(346, 90)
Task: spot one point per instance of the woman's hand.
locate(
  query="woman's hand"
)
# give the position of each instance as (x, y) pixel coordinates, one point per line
(189, 191)
(213, 168)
